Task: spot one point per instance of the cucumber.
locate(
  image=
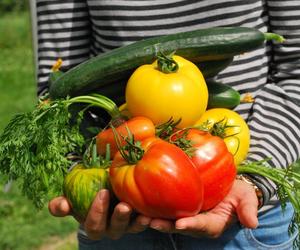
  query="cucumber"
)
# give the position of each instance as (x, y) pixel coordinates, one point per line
(116, 90)
(210, 69)
(222, 95)
(210, 44)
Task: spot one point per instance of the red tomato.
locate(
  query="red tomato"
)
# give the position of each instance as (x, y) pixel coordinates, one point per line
(140, 127)
(214, 162)
(164, 183)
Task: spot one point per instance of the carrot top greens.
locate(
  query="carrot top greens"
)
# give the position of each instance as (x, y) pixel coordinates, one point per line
(34, 146)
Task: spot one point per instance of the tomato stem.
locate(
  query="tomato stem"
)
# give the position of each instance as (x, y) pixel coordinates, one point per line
(219, 129)
(166, 129)
(166, 63)
(183, 142)
(132, 151)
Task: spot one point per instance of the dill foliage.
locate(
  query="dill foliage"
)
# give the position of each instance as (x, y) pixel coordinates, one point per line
(288, 187)
(34, 148)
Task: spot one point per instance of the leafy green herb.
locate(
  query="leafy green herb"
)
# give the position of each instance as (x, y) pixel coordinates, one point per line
(34, 146)
(288, 187)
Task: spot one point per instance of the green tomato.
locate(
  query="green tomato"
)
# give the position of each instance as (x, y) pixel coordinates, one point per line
(81, 185)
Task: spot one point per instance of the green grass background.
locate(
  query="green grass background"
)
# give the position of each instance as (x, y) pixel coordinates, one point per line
(22, 227)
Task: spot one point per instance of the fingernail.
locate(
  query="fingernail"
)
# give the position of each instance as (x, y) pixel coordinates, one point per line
(180, 226)
(145, 221)
(63, 206)
(156, 227)
(124, 209)
(103, 194)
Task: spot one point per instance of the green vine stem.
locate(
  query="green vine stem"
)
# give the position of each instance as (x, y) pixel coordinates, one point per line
(273, 36)
(100, 101)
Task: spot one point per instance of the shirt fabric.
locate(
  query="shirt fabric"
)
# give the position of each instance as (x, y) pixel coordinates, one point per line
(76, 30)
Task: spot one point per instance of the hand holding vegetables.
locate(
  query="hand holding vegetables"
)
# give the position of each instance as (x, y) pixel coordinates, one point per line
(241, 203)
(99, 222)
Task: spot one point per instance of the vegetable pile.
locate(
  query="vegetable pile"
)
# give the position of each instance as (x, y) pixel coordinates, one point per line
(173, 149)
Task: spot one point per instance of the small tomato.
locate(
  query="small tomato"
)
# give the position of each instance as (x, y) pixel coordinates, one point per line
(231, 127)
(140, 127)
(81, 185)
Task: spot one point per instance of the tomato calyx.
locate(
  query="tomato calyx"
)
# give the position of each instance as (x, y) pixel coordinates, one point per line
(179, 139)
(165, 130)
(166, 63)
(132, 150)
(220, 129)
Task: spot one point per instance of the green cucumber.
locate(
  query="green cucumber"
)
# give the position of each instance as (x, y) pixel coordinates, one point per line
(201, 45)
(116, 90)
(210, 69)
(222, 95)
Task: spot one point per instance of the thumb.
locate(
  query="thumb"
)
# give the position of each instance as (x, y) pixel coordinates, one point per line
(247, 211)
(59, 207)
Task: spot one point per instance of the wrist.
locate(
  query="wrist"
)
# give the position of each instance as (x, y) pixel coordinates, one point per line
(258, 191)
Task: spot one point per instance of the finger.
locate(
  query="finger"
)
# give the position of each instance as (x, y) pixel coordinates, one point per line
(247, 212)
(120, 220)
(207, 224)
(95, 223)
(163, 225)
(59, 207)
(139, 224)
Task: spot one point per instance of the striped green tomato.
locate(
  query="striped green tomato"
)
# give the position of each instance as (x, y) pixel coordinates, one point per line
(81, 185)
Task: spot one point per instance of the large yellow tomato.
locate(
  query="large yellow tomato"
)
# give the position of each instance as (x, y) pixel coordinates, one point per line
(230, 126)
(160, 96)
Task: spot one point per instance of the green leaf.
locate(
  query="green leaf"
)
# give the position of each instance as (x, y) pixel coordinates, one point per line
(34, 148)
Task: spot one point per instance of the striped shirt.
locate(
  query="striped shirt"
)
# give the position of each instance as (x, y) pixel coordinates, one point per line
(76, 30)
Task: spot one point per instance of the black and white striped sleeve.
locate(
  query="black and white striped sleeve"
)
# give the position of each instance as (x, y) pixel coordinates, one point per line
(275, 118)
(63, 31)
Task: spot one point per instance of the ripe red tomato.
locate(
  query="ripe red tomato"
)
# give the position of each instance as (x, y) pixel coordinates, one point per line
(140, 127)
(163, 183)
(214, 162)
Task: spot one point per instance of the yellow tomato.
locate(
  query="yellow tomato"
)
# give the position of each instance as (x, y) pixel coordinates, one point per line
(160, 96)
(230, 126)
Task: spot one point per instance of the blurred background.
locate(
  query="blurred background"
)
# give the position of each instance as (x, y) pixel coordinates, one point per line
(22, 226)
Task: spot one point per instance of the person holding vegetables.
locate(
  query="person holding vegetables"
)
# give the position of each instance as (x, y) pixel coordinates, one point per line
(250, 216)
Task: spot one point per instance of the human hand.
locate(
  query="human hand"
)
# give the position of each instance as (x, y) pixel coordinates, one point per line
(97, 223)
(241, 203)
